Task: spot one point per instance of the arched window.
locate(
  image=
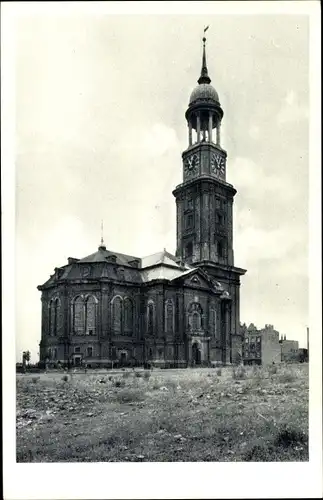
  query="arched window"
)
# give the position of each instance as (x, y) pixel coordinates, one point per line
(78, 316)
(90, 315)
(54, 309)
(128, 315)
(117, 315)
(213, 323)
(169, 316)
(150, 318)
(195, 316)
(196, 321)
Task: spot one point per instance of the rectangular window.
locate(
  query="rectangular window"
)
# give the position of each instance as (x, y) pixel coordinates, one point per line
(217, 202)
(247, 341)
(90, 351)
(189, 221)
(189, 204)
(55, 353)
(189, 250)
(77, 349)
(258, 339)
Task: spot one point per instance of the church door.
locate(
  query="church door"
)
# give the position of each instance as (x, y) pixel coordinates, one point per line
(196, 354)
(123, 359)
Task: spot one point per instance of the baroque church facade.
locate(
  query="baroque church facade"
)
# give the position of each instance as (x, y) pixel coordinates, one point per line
(166, 310)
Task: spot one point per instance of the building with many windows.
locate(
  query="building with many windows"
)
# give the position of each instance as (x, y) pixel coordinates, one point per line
(260, 347)
(169, 310)
(290, 350)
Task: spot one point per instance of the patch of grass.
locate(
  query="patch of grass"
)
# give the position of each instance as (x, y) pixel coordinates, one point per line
(286, 377)
(129, 396)
(195, 418)
(138, 375)
(239, 373)
(289, 436)
(272, 369)
(35, 380)
(126, 375)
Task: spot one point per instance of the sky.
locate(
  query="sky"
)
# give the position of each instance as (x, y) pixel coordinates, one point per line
(100, 128)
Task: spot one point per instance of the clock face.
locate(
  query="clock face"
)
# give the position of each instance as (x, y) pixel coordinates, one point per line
(191, 163)
(217, 164)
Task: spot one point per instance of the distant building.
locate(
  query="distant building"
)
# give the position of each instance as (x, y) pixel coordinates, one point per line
(260, 347)
(289, 350)
(303, 355)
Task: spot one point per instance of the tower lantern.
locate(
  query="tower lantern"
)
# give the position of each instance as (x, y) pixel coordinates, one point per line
(204, 111)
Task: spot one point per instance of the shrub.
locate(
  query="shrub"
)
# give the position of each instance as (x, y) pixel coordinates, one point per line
(65, 378)
(147, 375)
(218, 372)
(239, 373)
(138, 374)
(272, 369)
(35, 380)
(129, 396)
(288, 436)
(119, 383)
(126, 375)
(286, 377)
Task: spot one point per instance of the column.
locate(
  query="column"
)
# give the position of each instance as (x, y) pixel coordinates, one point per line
(198, 127)
(190, 133)
(210, 126)
(218, 134)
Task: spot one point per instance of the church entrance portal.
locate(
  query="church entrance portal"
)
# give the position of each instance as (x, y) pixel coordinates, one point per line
(196, 354)
(123, 358)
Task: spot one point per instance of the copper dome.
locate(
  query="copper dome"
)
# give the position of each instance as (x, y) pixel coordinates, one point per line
(204, 92)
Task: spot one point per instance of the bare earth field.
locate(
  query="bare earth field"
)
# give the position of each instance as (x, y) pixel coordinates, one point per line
(189, 415)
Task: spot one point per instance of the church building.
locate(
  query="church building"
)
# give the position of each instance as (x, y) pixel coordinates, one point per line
(166, 310)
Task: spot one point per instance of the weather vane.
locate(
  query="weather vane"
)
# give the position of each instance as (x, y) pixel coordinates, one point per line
(204, 31)
(102, 232)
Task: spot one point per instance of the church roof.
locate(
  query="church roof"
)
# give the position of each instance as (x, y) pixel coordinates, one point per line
(103, 255)
(163, 257)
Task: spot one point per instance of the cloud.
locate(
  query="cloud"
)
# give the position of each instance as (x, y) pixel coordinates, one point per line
(292, 110)
(254, 132)
(157, 140)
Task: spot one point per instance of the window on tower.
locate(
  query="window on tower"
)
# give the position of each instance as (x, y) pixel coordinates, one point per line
(189, 204)
(220, 249)
(189, 221)
(189, 249)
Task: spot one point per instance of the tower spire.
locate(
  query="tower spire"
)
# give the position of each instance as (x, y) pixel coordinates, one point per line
(102, 245)
(204, 78)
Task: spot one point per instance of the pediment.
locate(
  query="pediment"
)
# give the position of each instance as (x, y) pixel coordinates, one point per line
(197, 278)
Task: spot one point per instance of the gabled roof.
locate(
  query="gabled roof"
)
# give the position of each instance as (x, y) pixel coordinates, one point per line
(163, 257)
(217, 287)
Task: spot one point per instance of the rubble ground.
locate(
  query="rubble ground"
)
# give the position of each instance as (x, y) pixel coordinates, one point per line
(225, 415)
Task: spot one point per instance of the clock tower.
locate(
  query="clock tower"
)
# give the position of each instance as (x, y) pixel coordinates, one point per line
(204, 199)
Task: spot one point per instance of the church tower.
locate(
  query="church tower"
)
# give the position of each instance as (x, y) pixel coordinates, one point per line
(204, 199)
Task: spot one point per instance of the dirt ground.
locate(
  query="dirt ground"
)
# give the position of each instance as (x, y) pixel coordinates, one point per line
(189, 415)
